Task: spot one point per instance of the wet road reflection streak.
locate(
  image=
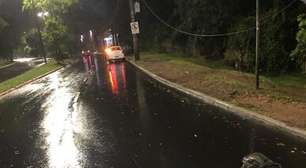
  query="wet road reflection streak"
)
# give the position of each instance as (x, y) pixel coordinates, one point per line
(123, 75)
(147, 127)
(117, 78)
(98, 73)
(60, 125)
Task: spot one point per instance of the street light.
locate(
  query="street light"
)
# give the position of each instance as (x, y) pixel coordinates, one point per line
(91, 34)
(41, 15)
(82, 38)
(82, 41)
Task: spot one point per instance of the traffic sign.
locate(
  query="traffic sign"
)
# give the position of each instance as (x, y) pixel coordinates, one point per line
(135, 28)
(137, 7)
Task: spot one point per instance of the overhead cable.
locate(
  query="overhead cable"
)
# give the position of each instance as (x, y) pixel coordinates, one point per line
(212, 35)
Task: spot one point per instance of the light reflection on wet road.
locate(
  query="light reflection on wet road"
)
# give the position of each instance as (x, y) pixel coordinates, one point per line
(60, 125)
(118, 118)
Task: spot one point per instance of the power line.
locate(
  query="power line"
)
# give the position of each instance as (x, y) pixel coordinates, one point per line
(280, 11)
(190, 33)
(214, 35)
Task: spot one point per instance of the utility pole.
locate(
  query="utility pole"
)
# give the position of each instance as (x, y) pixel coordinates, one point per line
(115, 39)
(135, 36)
(92, 40)
(257, 45)
(118, 41)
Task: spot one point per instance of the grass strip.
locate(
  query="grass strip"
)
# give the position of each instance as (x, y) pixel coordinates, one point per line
(281, 97)
(28, 75)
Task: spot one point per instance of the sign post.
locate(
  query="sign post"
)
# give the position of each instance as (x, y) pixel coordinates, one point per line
(137, 7)
(135, 29)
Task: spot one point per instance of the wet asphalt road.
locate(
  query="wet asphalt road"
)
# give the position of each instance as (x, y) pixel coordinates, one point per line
(119, 118)
(22, 65)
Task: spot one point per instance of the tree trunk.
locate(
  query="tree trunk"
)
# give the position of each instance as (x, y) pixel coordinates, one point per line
(248, 53)
(194, 46)
(11, 56)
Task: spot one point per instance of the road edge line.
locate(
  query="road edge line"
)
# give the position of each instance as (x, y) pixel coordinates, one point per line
(243, 113)
(8, 65)
(2, 94)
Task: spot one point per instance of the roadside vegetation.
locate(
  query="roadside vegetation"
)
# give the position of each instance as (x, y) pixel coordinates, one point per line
(41, 27)
(35, 28)
(223, 67)
(282, 37)
(280, 97)
(29, 75)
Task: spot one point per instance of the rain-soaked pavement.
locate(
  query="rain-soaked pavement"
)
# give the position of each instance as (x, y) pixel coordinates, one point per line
(21, 66)
(118, 118)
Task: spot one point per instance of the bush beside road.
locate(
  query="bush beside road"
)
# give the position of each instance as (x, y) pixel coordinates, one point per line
(282, 98)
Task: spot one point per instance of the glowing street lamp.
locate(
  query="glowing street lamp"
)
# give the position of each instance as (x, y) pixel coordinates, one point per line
(82, 38)
(42, 14)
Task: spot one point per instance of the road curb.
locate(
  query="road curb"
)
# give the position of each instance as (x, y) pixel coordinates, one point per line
(28, 82)
(244, 114)
(9, 65)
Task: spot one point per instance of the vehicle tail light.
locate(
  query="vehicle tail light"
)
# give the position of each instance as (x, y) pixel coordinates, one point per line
(108, 51)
